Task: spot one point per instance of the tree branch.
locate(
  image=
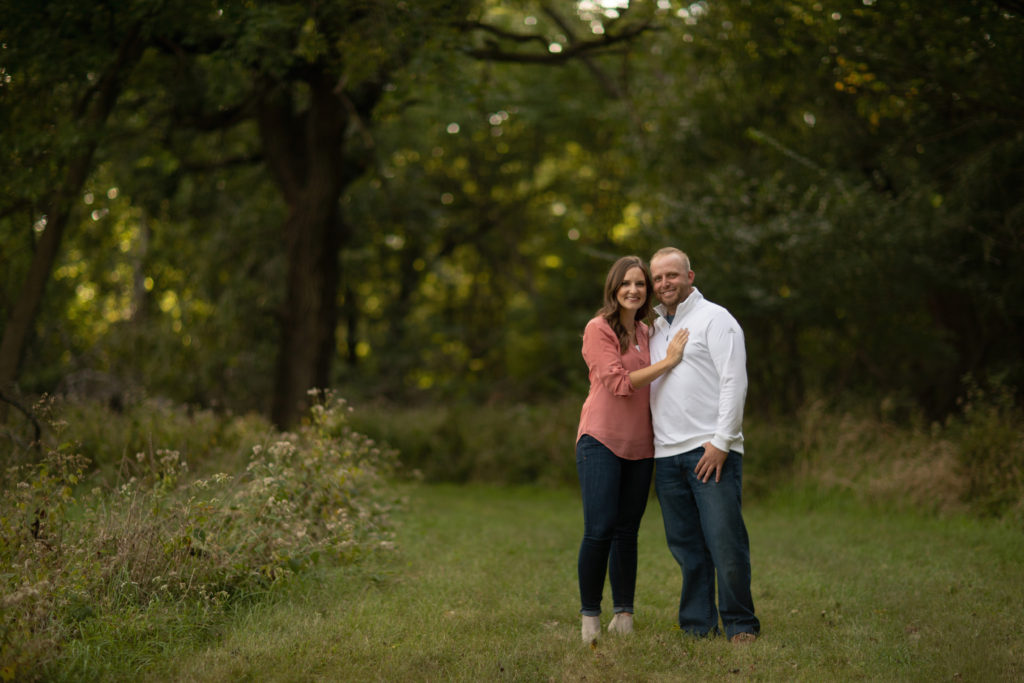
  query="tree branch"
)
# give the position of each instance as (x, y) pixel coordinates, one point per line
(503, 34)
(606, 83)
(574, 50)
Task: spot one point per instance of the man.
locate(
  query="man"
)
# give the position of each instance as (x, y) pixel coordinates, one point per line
(697, 410)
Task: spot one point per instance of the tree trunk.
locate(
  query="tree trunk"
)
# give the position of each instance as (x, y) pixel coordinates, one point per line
(304, 151)
(307, 327)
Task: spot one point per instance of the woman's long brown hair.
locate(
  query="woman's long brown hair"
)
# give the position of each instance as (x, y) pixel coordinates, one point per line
(610, 310)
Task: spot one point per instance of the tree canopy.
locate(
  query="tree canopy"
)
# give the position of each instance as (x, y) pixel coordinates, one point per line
(229, 203)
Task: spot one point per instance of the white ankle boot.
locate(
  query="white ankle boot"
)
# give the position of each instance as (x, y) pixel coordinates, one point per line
(621, 623)
(590, 628)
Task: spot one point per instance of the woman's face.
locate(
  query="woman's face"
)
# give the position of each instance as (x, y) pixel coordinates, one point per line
(632, 293)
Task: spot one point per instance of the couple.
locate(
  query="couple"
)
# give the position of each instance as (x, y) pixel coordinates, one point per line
(650, 402)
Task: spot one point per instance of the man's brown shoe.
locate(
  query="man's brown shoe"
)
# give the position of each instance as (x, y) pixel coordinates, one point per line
(743, 638)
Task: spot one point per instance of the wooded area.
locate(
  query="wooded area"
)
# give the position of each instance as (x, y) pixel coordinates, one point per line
(227, 203)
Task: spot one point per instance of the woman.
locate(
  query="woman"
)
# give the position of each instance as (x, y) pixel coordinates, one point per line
(615, 442)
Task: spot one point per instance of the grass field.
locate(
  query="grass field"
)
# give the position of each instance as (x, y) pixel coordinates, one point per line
(482, 587)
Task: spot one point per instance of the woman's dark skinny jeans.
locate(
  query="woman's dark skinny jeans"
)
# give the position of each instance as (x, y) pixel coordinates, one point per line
(615, 493)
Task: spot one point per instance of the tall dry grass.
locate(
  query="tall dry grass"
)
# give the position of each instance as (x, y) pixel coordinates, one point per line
(973, 462)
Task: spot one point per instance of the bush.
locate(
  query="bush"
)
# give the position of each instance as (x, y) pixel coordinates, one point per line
(71, 552)
(877, 454)
(860, 453)
(508, 444)
(210, 441)
(990, 451)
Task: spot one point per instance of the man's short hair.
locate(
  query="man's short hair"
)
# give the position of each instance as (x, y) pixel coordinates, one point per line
(669, 251)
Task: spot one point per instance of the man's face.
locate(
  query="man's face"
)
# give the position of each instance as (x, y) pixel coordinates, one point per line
(673, 281)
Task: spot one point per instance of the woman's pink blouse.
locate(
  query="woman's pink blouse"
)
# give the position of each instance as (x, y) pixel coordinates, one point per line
(616, 413)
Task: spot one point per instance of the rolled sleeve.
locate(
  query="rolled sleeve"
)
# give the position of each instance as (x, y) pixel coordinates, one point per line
(603, 358)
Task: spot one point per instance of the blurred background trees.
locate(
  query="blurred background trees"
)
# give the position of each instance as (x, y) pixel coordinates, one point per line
(228, 203)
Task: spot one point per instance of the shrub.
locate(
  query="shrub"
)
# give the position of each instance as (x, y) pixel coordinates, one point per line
(210, 441)
(875, 460)
(990, 452)
(71, 552)
(497, 443)
(880, 456)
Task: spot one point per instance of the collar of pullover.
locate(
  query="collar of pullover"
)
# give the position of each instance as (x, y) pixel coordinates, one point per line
(683, 308)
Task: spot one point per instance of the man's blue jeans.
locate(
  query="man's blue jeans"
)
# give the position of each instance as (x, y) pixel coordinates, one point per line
(705, 531)
(615, 493)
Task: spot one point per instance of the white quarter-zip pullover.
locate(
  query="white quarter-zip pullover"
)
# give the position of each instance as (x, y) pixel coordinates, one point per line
(702, 398)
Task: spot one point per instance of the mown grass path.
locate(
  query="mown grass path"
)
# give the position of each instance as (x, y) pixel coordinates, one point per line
(483, 588)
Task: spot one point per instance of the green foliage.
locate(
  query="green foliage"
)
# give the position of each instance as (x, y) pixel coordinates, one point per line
(846, 177)
(816, 184)
(860, 453)
(881, 455)
(461, 442)
(472, 229)
(109, 433)
(74, 554)
(991, 452)
(971, 463)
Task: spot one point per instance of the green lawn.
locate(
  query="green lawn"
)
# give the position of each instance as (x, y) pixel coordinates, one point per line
(483, 587)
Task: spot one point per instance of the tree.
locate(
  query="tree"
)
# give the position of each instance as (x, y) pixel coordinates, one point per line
(477, 216)
(75, 117)
(310, 78)
(432, 191)
(845, 172)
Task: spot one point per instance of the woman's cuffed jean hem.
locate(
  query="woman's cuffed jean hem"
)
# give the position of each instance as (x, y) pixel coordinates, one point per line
(597, 612)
